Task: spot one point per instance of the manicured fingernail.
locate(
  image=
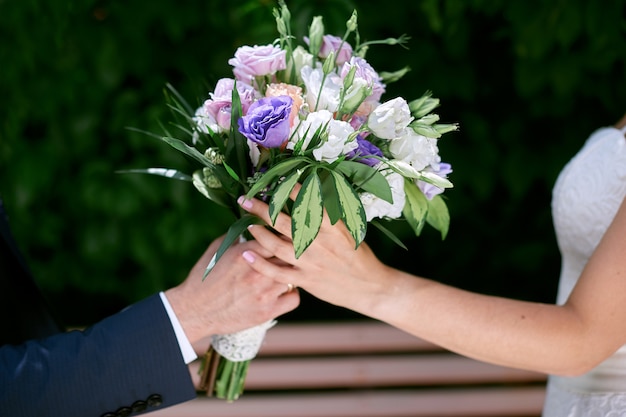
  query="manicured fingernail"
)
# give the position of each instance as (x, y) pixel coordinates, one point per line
(247, 204)
(248, 256)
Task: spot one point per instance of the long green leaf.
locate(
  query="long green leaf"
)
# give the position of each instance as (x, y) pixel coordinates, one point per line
(438, 215)
(162, 172)
(281, 194)
(220, 171)
(352, 210)
(231, 172)
(367, 178)
(236, 153)
(306, 217)
(179, 99)
(187, 150)
(234, 232)
(278, 170)
(415, 208)
(388, 233)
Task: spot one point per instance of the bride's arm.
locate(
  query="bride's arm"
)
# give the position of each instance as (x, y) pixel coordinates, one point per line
(566, 340)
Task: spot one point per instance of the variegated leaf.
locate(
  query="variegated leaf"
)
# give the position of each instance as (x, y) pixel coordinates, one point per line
(306, 217)
(415, 207)
(352, 210)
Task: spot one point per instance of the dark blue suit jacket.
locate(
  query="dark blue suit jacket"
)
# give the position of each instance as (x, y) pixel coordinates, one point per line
(127, 364)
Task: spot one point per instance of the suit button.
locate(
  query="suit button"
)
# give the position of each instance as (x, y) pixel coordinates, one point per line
(139, 406)
(155, 400)
(124, 412)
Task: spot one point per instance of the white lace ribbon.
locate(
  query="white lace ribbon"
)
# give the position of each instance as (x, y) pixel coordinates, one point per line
(243, 345)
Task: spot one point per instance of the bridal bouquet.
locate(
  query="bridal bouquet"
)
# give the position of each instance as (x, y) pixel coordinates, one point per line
(309, 113)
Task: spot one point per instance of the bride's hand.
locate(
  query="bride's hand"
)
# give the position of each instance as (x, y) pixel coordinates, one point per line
(330, 268)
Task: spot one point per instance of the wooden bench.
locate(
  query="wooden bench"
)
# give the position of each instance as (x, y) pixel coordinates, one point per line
(369, 369)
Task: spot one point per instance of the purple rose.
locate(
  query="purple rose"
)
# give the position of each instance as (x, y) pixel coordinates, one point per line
(267, 121)
(430, 190)
(365, 151)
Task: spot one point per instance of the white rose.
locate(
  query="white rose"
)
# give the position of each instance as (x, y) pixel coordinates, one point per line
(416, 150)
(336, 139)
(205, 121)
(377, 207)
(318, 97)
(337, 143)
(390, 119)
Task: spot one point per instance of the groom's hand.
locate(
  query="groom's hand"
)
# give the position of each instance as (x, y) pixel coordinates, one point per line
(233, 296)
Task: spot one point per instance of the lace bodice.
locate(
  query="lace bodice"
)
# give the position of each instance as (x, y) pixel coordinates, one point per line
(585, 198)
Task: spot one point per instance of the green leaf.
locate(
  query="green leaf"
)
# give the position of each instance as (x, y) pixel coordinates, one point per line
(388, 233)
(438, 215)
(162, 172)
(352, 210)
(179, 99)
(234, 232)
(236, 153)
(415, 208)
(231, 172)
(187, 150)
(307, 214)
(281, 194)
(278, 170)
(330, 198)
(368, 178)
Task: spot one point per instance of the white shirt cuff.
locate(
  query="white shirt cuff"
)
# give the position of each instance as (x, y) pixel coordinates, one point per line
(189, 355)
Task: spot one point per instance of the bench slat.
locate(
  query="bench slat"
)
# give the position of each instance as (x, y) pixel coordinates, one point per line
(489, 402)
(331, 372)
(369, 369)
(340, 337)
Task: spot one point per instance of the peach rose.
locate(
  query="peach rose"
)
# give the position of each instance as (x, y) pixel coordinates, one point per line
(293, 91)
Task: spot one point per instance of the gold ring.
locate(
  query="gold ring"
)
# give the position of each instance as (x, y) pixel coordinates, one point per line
(290, 287)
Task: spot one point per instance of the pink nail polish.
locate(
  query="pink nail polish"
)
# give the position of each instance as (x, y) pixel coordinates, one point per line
(247, 204)
(248, 256)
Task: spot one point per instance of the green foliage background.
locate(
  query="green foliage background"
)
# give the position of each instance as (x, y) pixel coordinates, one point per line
(527, 81)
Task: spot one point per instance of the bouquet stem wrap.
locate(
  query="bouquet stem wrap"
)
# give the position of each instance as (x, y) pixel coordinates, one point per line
(225, 365)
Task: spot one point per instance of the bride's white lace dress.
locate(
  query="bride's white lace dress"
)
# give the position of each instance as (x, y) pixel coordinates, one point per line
(585, 199)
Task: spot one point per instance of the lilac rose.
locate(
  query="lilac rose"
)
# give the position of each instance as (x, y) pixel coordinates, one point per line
(256, 61)
(267, 121)
(341, 48)
(365, 151)
(224, 92)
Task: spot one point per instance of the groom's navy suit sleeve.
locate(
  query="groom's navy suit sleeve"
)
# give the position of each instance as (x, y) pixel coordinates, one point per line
(127, 364)
(130, 361)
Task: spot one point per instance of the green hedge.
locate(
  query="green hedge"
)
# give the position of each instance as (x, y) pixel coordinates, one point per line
(527, 81)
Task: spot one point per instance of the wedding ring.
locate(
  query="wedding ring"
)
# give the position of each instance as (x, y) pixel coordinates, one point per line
(290, 287)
